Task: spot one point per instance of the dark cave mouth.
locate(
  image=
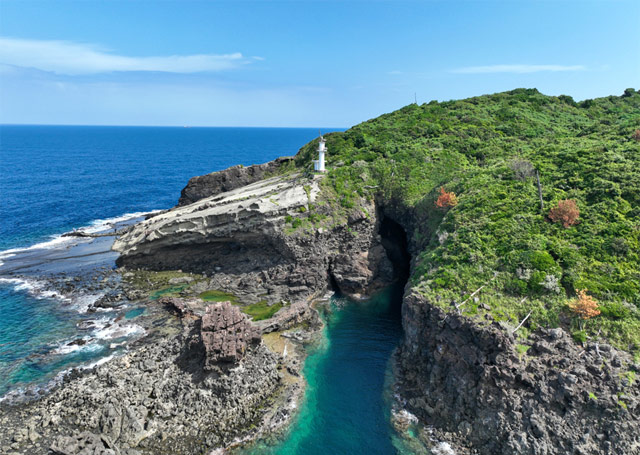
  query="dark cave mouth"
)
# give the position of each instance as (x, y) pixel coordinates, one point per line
(394, 240)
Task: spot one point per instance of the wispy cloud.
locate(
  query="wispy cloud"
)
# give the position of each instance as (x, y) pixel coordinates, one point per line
(517, 69)
(64, 57)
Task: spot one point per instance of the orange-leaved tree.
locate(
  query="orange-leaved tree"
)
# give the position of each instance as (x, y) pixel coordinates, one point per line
(446, 199)
(636, 135)
(584, 306)
(566, 212)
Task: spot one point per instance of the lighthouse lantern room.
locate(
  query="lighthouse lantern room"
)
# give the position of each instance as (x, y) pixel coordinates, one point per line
(318, 165)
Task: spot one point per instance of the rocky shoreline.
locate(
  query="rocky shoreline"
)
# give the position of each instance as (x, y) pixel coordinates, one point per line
(170, 393)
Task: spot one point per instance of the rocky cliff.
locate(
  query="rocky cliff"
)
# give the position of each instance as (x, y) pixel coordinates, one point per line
(188, 387)
(244, 241)
(476, 386)
(469, 380)
(203, 186)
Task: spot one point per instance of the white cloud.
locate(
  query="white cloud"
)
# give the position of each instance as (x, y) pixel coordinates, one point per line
(518, 69)
(70, 58)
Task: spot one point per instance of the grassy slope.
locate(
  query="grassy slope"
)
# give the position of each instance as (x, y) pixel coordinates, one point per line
(497, 233)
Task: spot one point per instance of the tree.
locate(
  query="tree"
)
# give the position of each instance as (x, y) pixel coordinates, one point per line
(636, 135)
(523, 169)
(566, 212)
(584, 306)
(446, 199)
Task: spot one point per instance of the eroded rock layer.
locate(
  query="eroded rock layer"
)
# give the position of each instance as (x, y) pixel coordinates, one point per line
(244, 241)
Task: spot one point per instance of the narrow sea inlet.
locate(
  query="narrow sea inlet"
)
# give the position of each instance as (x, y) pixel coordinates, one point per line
(347, 404)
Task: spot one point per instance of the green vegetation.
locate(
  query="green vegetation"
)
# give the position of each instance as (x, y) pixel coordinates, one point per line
(156, 284)
(630, 376)
(486, 150)
(261, 310)
(522, 349)
(218, 296)
(257, 311)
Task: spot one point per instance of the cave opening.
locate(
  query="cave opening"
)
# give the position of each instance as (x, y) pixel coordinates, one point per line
(394, 240)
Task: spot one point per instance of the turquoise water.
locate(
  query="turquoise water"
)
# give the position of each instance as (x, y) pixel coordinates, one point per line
(133, 313)
(346, 409)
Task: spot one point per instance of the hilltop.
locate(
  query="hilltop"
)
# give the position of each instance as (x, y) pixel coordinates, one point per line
(486, 150)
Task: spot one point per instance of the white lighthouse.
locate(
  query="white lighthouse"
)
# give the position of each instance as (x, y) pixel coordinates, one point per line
(318, 165)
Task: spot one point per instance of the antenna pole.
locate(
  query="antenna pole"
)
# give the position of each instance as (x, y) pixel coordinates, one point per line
(415, 97)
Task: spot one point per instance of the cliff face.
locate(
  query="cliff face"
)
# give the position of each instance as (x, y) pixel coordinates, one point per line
(203, 186)
(468, 380)
(241, 240)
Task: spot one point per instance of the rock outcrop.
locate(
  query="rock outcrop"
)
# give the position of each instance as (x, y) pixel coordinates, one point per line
(466, 379)
(226, 334)
(157, 400)
(204, 186)
(243, 240)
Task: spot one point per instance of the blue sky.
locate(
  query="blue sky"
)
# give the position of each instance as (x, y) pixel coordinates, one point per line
(302, 63)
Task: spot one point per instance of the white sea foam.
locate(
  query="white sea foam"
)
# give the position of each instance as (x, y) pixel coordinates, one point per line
(82, 302)
(33, 391)
(119, 331)
(35, 288)
(107, 223)
(443, 448)
(58, 240)
(39, 289)
(67, 348)
(98, 362)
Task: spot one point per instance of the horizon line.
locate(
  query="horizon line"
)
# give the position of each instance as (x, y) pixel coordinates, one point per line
(171, 126)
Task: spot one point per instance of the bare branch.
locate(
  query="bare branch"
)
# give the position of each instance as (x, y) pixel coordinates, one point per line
(522, 322)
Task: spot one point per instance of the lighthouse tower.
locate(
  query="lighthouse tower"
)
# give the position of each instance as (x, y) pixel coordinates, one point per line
(318, 165)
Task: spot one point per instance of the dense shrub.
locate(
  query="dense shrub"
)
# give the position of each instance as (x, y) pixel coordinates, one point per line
(566, 212)
(584, 306)
(496, 237)
(446, 199)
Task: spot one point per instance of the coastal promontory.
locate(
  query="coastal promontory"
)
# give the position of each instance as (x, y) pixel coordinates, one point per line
(513, 221)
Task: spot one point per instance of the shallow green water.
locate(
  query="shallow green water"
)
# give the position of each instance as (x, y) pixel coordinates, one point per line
(346, 408)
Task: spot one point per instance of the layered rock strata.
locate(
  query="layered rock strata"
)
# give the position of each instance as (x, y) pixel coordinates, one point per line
(243, 241)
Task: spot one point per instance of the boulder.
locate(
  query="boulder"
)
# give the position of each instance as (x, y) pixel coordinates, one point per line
(226, 334)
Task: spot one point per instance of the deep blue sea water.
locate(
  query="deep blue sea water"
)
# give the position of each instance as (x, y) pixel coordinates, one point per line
(55, 178)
